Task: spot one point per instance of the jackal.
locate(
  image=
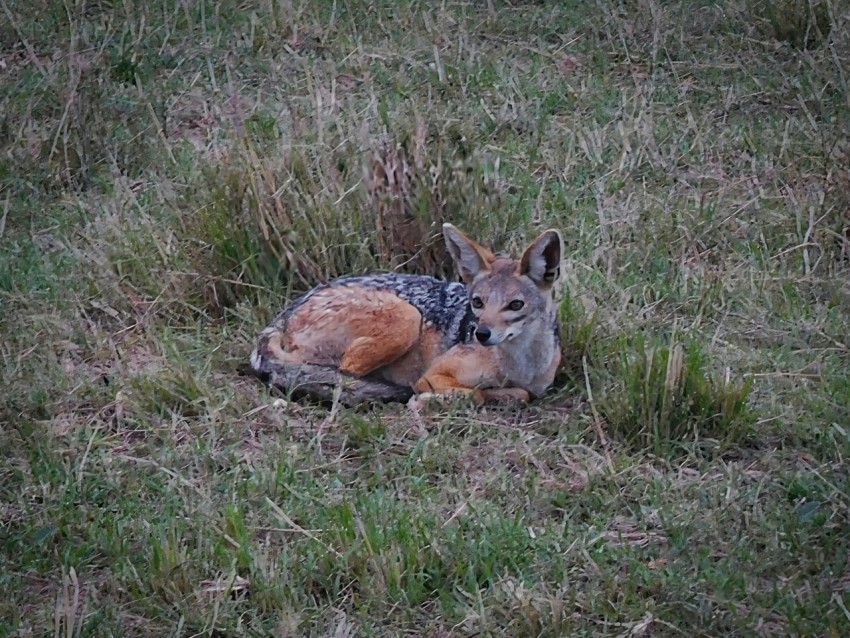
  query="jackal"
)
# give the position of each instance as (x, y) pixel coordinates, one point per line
(388, 336)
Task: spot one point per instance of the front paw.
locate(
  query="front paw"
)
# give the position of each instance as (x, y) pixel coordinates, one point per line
(423, 400)
(418, 402)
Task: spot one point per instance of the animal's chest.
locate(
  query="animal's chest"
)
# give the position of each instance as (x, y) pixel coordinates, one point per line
(530, 367)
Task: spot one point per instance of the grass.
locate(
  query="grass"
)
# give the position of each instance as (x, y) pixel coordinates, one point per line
(171, 173)
(662, 395)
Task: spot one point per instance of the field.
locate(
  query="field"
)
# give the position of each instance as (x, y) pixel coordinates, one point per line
(172, 172)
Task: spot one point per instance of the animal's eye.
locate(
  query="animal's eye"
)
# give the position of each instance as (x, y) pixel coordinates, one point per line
(477, 303)
(516, 304)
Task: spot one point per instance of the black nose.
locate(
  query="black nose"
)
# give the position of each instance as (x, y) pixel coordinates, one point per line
(482, 334)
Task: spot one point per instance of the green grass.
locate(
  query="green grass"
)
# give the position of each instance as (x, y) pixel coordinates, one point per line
(171, 173)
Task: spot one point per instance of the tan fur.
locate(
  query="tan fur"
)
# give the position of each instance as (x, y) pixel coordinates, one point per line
(408, 369)
(355, 330)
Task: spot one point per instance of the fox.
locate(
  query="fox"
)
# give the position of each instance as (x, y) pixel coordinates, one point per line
(492, 336)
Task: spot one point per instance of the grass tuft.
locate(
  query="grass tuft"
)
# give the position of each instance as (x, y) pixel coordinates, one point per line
(665, 397)
(803, 24)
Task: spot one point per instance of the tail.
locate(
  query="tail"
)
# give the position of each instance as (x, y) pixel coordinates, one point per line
(324, 383)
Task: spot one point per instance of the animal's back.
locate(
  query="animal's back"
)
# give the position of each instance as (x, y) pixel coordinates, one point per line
(444, 305)
(392, 325)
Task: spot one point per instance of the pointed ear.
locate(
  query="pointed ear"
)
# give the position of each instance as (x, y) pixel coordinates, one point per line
(470, 258)
(541, 261)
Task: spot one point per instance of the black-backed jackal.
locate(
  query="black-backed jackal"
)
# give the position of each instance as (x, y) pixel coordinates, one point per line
(388, 336)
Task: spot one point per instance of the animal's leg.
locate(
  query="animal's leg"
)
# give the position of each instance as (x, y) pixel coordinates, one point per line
(385, 335)
(462, 370)
(443, 385)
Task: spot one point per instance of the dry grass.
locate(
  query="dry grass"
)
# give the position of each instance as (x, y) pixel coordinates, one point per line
(171, 173)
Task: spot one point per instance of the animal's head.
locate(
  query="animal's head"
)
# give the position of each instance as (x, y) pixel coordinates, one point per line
(506, 294)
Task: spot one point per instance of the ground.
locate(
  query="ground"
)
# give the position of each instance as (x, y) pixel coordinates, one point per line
(172, 173)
